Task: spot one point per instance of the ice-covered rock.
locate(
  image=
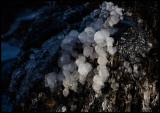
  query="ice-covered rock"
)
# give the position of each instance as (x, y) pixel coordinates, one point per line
(75, 65)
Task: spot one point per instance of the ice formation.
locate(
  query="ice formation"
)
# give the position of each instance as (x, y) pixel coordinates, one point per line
(51, 80)
(97, 43)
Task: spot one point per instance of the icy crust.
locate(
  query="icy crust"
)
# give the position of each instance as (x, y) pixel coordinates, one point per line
(97, 44)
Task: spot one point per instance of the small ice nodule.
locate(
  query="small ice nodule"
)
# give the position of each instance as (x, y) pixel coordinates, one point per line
(111, 50)
(51, 80)
(74, 33)
(83, 37)
(109, 41)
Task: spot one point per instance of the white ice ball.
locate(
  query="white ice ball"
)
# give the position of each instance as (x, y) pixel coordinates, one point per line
(73, 33)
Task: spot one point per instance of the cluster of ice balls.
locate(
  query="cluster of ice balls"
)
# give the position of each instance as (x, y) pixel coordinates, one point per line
(97, 43)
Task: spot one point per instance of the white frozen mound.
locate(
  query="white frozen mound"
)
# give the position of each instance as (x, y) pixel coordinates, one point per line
(81, 59)
(103, 72)
(101, 36)
(90, 29)
(98, 80)
(102, 60)
(114, 19)
(96, 87)
(97, 83)
(84, 68)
